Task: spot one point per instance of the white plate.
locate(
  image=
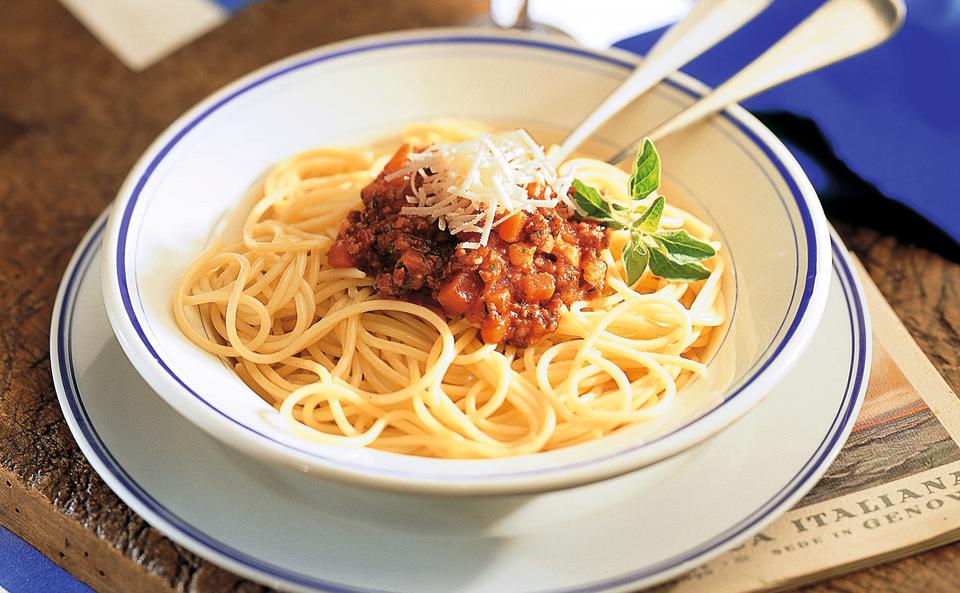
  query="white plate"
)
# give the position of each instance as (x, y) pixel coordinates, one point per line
(659, 522)
(731, 169)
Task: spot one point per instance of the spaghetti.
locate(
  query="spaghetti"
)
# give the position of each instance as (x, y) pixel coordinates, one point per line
(347, 366)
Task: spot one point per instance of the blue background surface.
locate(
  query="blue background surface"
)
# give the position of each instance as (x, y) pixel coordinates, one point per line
(887, 120)
(232, 5)
(23, 569)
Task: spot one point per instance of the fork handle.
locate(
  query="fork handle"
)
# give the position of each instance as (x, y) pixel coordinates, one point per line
(836, 30)
(705, 25)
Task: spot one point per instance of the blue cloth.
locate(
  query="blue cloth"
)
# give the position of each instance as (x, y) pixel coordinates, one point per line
(23, 569)
(232, 5)
(888, 119)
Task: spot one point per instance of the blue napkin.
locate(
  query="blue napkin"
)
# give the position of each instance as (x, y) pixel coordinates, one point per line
(884, 124)
(23, 569)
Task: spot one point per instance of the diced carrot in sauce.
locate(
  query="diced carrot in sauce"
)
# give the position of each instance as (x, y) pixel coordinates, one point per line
(535, 191)
(510, 229)
(398, 159)
(567, 251)
(459, 292)
(538, 287)
(521, 255)
(338, 256)
(494, 329)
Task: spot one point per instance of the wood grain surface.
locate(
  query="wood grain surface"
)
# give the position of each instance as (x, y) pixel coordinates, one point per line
(73, 120)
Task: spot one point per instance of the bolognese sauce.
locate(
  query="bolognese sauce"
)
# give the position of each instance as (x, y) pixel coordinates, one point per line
(512, 288)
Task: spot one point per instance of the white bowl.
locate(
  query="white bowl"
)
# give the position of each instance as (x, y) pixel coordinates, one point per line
(732, 170)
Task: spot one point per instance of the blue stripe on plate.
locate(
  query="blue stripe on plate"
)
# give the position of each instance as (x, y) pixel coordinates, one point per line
(23, 569)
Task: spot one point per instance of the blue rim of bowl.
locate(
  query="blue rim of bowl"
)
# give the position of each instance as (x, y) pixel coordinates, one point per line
(801, 481)
(754, 373)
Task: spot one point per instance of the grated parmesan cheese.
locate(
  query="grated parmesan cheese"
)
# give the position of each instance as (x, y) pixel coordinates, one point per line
(464, 185)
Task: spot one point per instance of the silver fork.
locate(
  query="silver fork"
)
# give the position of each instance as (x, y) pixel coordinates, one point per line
(835, 31)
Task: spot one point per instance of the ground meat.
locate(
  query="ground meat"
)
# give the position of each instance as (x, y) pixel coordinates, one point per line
(533, 264)
(405, 254)
(512, 288)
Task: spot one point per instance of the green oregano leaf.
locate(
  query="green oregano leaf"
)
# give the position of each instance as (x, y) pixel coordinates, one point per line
(636, 254)
(590, 204)
(683, 247)
(673, 255)
(645, 177)
(649, 221)
(664, 265)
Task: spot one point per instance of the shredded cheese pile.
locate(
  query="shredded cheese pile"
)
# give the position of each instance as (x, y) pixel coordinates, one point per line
(463, 185)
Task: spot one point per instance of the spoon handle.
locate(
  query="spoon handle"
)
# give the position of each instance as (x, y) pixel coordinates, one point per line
(837, 30)
(705, 25)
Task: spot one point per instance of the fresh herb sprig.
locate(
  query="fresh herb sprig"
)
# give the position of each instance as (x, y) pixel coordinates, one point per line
(673, 255)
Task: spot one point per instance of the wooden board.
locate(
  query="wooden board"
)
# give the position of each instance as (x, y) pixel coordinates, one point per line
(73, 120)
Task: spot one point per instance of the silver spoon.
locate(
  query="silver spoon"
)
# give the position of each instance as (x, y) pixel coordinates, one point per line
(708, 23)
(835, 31)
